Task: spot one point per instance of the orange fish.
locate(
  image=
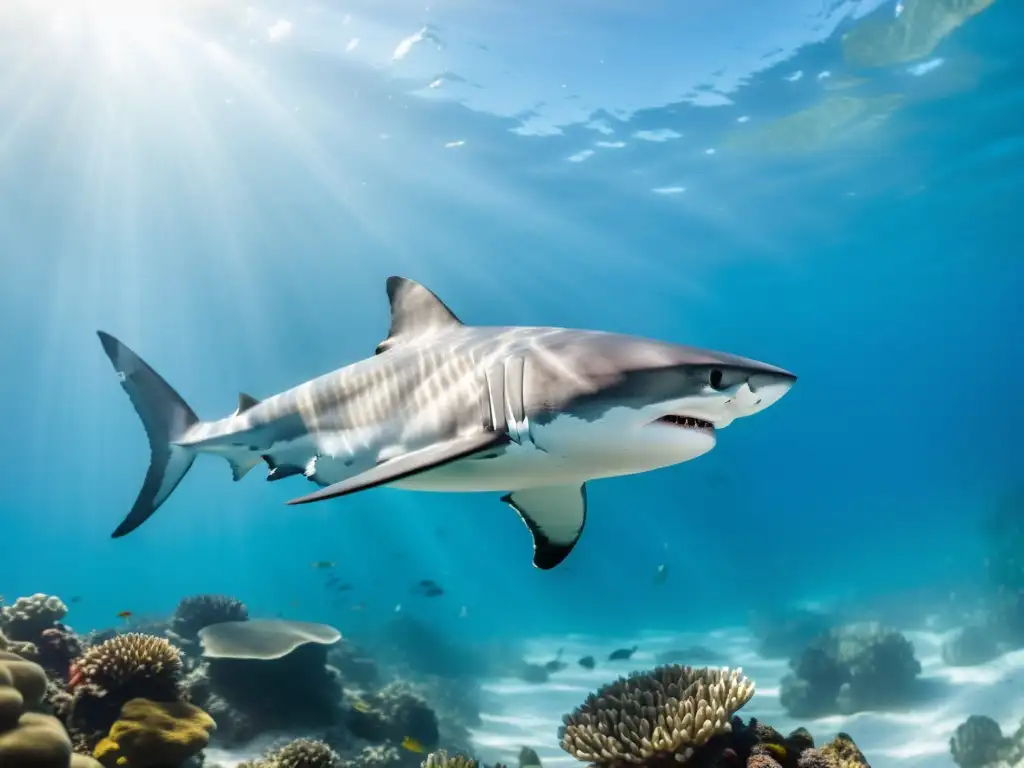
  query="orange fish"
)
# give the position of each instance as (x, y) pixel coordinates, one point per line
(124, 615)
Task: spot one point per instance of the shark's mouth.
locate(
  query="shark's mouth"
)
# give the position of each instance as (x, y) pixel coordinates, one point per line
(686, 422)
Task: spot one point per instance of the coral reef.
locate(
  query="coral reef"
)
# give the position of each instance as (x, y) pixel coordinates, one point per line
(25, 650)
(267, 674)
(29, 739)
(355, 665)
(392, 714)
(441, 759)
(301, 753)
(970, 646)
(979, 743)
(131, 666)
(198, 612)
(687, 707)
(681, 715)
(27, 618)
(150, 734)
(107, 676)
(850, 669)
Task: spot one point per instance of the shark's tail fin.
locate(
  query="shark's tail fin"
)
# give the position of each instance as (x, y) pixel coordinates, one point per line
(166, 418)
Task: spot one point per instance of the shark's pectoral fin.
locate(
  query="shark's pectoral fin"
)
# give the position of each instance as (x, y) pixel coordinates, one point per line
(409, 464)
(555, 516)
(240, 467)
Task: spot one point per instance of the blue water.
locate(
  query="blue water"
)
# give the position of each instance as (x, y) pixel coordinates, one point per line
(227, 190)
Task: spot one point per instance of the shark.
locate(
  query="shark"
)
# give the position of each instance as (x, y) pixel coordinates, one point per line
(533, 413)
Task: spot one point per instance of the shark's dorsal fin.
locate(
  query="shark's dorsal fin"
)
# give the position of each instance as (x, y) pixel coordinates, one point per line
(415, 311)
(245, 402)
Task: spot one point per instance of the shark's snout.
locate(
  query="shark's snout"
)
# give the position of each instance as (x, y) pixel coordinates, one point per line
(759, 391)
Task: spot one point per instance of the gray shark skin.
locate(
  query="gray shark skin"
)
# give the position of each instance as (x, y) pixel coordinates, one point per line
(442, 406)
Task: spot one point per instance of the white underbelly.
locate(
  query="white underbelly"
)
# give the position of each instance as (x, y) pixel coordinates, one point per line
(519, 466)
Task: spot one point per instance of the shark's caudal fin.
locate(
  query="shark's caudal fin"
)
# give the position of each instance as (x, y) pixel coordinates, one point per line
(166, 418)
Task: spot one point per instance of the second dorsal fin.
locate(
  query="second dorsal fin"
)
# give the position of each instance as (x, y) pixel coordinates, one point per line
(245, 402)
(415, 311)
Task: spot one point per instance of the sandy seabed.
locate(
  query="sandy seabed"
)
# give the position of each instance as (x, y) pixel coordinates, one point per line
(518, 714)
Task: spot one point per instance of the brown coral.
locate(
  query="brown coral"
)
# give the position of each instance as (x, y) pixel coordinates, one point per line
(441, 759)
(27, 617)
(133, 665)
(301, 753)
(661, 714)
(844, 753)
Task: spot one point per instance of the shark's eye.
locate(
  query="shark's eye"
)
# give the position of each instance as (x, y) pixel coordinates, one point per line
(715, 378)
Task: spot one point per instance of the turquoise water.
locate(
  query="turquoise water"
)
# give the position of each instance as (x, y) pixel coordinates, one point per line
(226, 190)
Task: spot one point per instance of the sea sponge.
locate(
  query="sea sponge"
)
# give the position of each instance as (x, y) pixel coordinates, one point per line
(133, 665)
(151, 734)
(441, 759)
(29, 739)
(26, 619)
(666, 712)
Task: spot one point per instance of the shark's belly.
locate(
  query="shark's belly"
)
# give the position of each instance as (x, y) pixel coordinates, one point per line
(510, 468)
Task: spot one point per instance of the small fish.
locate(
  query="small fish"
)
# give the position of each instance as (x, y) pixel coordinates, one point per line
(359, 705)
(125, 615)
(412, 745)
(622, 654)
(398, 608)
(343, 587)
(588, 662)
(433, 592)
(73, 600)
(661, 574)
(322, 564)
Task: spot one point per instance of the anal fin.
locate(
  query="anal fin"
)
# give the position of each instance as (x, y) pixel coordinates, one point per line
(555, 516)
(409, 464)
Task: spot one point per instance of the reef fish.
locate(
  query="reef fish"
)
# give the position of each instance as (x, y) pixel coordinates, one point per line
(587, 662)
(621, 654)
(443, 406)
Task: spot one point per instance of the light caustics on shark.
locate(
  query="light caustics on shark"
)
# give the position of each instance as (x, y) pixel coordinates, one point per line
(443, 406)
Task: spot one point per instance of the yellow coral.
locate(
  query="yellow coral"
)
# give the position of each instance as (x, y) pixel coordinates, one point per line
(152, 733)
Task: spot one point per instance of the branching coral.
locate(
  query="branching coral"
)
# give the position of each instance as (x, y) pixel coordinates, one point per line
(441, 759)
(301, 753)
(200, 611)
(661, 714)
(28, 617)
(133, 666)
